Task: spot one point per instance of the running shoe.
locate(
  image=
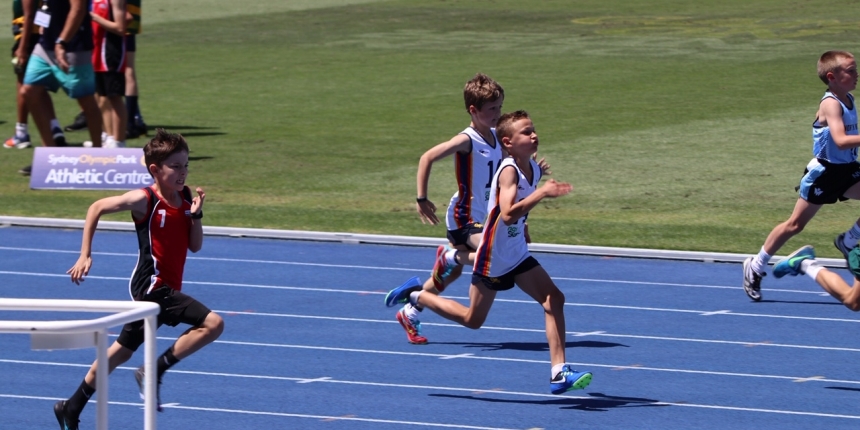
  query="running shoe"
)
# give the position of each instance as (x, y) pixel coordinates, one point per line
(66, 422)
(139, 375)
(412, 327)
(568, 380)
(441, 268)
(79, 123)
(839, 243)
(791, 265)
(400, 294)
(26, 170)
(136, 128)
(17, 142)
(752, 280)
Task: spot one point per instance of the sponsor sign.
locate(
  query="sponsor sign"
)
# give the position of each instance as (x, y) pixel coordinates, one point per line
(73, 168)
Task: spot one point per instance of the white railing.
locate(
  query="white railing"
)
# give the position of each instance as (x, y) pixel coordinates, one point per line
(72, 334)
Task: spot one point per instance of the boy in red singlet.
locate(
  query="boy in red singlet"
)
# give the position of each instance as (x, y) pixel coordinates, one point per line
(168, 224)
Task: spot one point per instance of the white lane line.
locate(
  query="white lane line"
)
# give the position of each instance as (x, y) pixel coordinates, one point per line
(405, 269)
(494, 391)
(276, 414)
(334, 290)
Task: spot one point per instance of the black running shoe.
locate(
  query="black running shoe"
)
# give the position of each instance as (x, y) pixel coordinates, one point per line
(59, 137)
(80, 123)
(138, 377)
(66, 422)
(25, 170)
(136, 129)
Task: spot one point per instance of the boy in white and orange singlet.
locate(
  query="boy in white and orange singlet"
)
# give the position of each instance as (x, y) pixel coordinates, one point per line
(502, 259)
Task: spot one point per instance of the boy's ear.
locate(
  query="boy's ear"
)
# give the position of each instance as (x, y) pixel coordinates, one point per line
(473, 110)
(153, 169)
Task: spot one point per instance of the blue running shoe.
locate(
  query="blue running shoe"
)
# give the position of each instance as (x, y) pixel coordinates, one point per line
(569, 379)
(400, 294)
(791, 265)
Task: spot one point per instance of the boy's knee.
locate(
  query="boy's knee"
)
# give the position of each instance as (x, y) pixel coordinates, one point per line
(474, 322)
(214, 323)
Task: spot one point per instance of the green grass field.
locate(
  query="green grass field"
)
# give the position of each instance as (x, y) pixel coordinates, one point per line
(681, 124)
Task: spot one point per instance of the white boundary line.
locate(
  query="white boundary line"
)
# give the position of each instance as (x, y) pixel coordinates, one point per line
(472, 391)
(407, 241)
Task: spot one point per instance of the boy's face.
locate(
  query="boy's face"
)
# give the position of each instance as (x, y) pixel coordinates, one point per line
(524, 141)
(845, 77)
(488, 115)
(172, 173)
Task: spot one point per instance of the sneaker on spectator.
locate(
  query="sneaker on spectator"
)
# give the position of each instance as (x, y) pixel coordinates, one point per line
(569, 379)
(25, 170)
(79, 123)
(412, 327)
(59, 137)
(136, 128)
(17, 142)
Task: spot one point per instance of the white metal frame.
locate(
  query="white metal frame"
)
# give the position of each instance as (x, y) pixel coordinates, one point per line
(87, 333)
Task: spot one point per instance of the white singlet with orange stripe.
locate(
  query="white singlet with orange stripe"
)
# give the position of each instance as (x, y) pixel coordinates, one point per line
(503, 247)
(474, 171)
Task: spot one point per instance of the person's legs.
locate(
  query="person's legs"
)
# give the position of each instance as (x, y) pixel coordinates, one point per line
(68, 411)
(197, 337)
(91, 110)
(118, 118)
(839, 289)
(480, 301)
(539, 286)
(35, 96)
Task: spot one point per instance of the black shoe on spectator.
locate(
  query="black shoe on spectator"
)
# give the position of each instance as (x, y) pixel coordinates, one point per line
(25, 170)
(80, 123)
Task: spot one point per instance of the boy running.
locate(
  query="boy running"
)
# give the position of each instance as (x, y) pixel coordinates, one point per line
(168, 224)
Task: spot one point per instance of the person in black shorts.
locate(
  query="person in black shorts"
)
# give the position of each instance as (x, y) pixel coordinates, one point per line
(168, 224)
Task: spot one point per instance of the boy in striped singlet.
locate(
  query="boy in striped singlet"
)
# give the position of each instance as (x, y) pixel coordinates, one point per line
(502, 259)
(832, 175)
(477, 153)
(168, 224)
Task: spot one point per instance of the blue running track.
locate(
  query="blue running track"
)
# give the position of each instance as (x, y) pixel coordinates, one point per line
(309, 344)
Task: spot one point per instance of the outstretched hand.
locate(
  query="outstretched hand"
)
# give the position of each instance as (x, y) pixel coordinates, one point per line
(427, 212)
(553, 188)
(80, 269)
(197, 202)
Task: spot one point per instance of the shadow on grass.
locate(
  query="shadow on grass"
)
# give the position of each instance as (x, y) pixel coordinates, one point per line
(530, 346)
(182, 129)
(598, 402)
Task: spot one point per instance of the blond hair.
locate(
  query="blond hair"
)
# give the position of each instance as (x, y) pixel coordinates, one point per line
(829, 63)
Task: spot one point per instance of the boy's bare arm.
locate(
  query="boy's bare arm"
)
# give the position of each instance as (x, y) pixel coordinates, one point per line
(831, 110)
(134, 201)
(426, 208)
(195, 242)
(511, 209)
(118, 25)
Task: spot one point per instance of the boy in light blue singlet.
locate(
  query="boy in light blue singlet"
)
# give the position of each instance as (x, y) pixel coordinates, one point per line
(832, 175)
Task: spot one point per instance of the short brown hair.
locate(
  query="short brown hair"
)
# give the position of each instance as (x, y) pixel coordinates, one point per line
(829, 62)
(482, 89)
(162, 146)
(505, 126)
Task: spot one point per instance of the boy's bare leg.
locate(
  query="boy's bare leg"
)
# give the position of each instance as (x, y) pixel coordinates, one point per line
(480, 301)
(94, 118)
(801, 215)
(197, 337)
(839, 289)
(117, 354)
(539, 286)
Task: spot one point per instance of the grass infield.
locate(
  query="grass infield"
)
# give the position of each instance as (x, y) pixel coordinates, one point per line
(681, 124)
